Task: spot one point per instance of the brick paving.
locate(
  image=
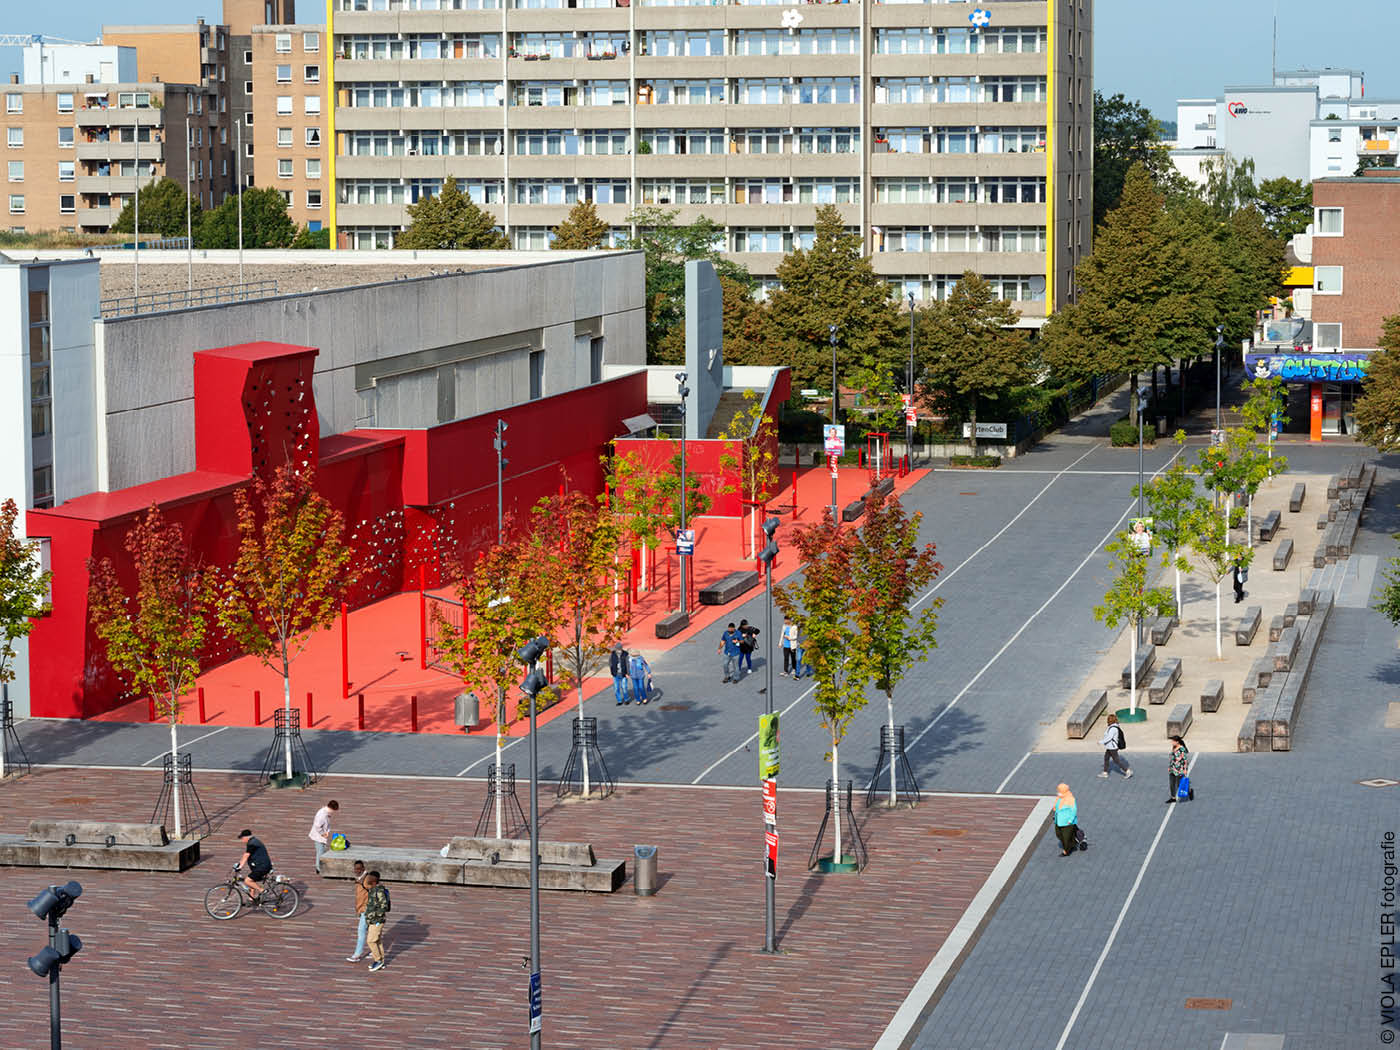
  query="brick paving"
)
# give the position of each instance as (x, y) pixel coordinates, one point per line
(681, 969)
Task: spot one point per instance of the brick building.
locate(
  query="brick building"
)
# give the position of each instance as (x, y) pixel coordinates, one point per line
(288, 108)
(1356, 271)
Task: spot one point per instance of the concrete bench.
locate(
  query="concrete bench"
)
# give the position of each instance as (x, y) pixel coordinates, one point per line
(1260, 673)
(1263, 711)
(1275, 628)
(1322, 520)
(1146, 657)
(729, 588)
(484, 862)
(1295, 499)
(1285, 649)
(1283, 555)
(672, 624)
(1161, 629)
(1350, 477)
(1212, 695)
(852, 511)
(884, 486)
(1267, 526)
(1333, 486)
(1290, 614)
(1083, 717)
(1179, 720)
(1307, 597)
(85, 844)
(1244, 741)
(1248, 625)
(1164, 681)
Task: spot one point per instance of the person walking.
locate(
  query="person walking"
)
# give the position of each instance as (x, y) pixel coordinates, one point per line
(641, 677)
(1113, 742)
(320, 832)
(1066, 819)
(1239, 574)
(748, 642)
(376, 911)
(729, 646)
(789, 643)
(617, 667)
(361, 928)
(1177, 765)
(797, 644)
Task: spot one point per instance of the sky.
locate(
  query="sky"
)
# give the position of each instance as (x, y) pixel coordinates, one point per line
(1196, 46)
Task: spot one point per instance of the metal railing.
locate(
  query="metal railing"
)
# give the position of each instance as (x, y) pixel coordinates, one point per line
(185, 298)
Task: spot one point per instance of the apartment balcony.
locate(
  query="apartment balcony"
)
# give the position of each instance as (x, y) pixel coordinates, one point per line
(100, 217)
(683, 165)
(774, 165)
(1377, 147)
(112, 117)
(553, 20)
(411, 166)
(557, 166)
(152, 151)
(569, 117)
(113, 184)
(372, 214)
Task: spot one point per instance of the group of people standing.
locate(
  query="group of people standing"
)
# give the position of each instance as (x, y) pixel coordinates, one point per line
(631, 675)
(737, 645)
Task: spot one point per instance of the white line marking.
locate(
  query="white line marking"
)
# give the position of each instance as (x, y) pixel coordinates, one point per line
(492, 754)
(1118, 923)
(940, 968)
(1005, 472)
(748, 740)
(948, 576)
(186, 744)
(1017, 766)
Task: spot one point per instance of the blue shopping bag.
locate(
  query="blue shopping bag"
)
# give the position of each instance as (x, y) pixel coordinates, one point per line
(1183, 789)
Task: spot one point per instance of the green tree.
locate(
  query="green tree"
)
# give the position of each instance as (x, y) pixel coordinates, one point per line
(1125, 134)
(1378, 408)
(24, 592)
(831, 283)
(1286, 204)
(1229, 184)
(1388, 598)
(891, 570)
(1253, 265)
(1170, 497)
(1208, 531)
(154, 636)
(756, 435)
(1130, 600)
(968, 350)
(162, 210)
(450, 219)
(265, 222)
(307, 238)
(819, 604)
(289, 575)
(581, 229)
(1268, 397)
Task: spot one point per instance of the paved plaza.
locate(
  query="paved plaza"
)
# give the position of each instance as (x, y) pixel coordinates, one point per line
(1261, 901)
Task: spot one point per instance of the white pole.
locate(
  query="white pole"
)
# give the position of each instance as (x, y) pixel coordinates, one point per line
(175, 766)
(1132, 668)
(189, 225)
(136, 216)
(238, 174)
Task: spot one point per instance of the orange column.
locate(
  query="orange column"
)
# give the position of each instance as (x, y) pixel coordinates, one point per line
(1315, 420)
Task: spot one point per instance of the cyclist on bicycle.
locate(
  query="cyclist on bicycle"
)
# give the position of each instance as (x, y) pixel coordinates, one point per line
(258, 862)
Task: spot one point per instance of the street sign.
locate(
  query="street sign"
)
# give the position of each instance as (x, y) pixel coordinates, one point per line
(770, 802)
(834, 437)
(986, 430)
(685, 541)
(536, 1003)
(770, 839)
(831, 460)
(1217, 437)
(911, 416)
(767, 746)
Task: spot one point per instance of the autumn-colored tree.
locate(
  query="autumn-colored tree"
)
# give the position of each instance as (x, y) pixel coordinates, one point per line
(1378, 408)
(290, 573)
(155, 634)
(891, 568)
(1130, 600)
(756, 438)
(819, 604)
(581, 229)
(24, 592)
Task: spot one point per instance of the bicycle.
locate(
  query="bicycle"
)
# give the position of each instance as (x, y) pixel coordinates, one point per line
(279, 898)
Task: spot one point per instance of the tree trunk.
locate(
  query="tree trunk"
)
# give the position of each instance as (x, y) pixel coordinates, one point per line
(1218, 654)
(1132, 398)
(1177, 569)
(1155, 402)
(1132, 667)
(973, 431)
(287, 706)
(584, 756)
(1181, 386)
(835, 799)
(500, 732)
(1249, 521)
(894, 788)
(175, 766)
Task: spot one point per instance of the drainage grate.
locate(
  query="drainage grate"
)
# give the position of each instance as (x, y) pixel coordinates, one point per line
(947, 833)
(1209, 1004)
(967, 493)
(1378, 782)
(674, 707)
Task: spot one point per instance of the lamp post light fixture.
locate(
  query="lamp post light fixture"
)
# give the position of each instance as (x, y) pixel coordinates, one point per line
(533, 683)
(835, 392)
(499, 443)
(768, 555)
(50, 904)
(684, 392)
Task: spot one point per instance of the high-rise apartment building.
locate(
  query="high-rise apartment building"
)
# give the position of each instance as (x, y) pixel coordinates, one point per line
(289, 118)
(951, 137)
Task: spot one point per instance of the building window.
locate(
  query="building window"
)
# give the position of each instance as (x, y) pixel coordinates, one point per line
(247, 58)
(15, 138)
(536, 374)
(284, 105)
(248, 120)
(1329, 222)
(65, 102)
(14, 102)
(313, 167)
(284, 43)
(595, 359)
(311, 42)
(284, 136)
(43, 487)
(16, 171)
(40, 419)
(312, 103)
(284, 74)
(313, 136)
(247, 87)
(286, 196)
(17, 204)
(1334, 134)
(284, 168)
(66, 203)
(311, 74)
(65, 138)
(313, 198)
(1327, 336)
(65, 171)
(1327, 280)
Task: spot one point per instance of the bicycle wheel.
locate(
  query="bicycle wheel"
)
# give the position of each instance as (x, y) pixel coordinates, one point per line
(280, 900)
(223, 901)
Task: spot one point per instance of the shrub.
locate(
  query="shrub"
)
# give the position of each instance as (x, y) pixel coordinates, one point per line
(1125, 435)
(976, 461)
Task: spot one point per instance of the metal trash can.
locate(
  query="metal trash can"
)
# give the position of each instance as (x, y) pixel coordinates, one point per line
(1161, 426)
(644, 870)
(466, 710)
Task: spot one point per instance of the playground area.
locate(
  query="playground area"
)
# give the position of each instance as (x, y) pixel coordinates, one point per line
(376, 669)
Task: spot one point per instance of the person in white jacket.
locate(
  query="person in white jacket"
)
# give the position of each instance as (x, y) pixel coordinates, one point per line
(320, 832)
(1113, 741)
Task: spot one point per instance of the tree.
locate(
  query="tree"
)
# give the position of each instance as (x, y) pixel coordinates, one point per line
(265, 222)
(753, 429)
(1169, 497)
(831, 283)
(450, 219)
(307, 238)
(1130, 600)
(155, 635)
(1229, 184)
(1378, 408)
(1253, 269)
(24, 592)
(968, 351)
(1365, 164)
(1388, 603)
(1125, 134)
(744, 327)
(1209, 538)
(1264, 408)
(577, 543)
(645, 500)
(289, 574)
(1286, 204)
(890, 571)
(819, 605)
(162, 210)
(581, 229)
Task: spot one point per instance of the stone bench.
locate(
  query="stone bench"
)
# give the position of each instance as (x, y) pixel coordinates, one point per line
(1286, 648)
(852, 511)
(1290, 614)
(1333, 486)
(1322, 520)
(1179, 720)
(484, 862)
(1283, 555)
(1258, 678)
(1083, 717)
(1146, 657)
(1161, 629)
(1265, 528)
(672, 624)
(1248, 625)
(1212, 695)
(726, 590)
(1164, 681)
(1307, 599)
(1263, 711)
(1275, 628)
(884, 486)
(98, 844)
(1295, 499)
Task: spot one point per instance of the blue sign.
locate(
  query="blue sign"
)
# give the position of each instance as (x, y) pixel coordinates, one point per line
(685, 541)
(1331, 368)
(536, 1003)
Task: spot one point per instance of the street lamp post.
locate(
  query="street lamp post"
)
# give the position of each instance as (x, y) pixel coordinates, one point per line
(50, 905)
(499, 443)
(768, 555)
(533, 683)
(1219, 353)
(684, 392)
(1141, 411)
(835, 393)
(908, 423)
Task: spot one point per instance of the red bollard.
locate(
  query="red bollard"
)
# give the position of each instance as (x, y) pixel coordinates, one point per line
(549, 665)
(413, 712)
(361, 698)
(257, 708)
(670, 600)
(344, 649)
(310, 717)
(151, 709)
(201, 705)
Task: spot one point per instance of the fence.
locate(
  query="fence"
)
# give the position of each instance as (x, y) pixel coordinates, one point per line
(441, 612)
(186, 298)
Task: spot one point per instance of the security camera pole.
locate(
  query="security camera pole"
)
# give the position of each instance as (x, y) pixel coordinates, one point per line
(50, 904)
(533, 683)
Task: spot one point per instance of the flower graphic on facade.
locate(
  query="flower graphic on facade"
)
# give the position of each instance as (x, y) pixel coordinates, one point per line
(792, 18)
(980, 18)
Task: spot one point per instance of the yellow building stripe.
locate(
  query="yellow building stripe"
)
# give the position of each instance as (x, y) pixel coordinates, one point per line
(331, 148)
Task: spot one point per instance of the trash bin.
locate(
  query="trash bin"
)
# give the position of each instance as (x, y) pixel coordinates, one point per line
(1161, 426)
(644, 870)
(466, 710)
